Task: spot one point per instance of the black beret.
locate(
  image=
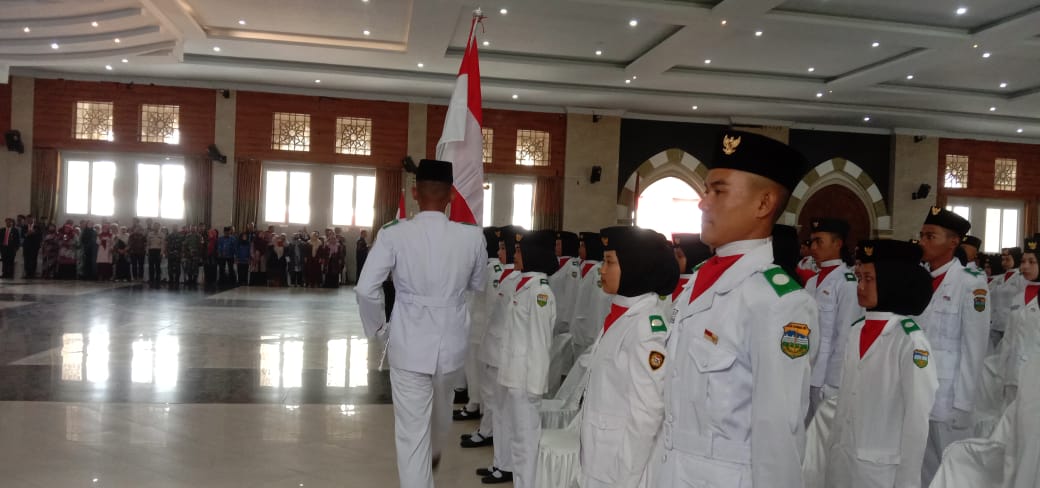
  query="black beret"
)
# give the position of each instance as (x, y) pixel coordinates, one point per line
(491, 236)
(1031, 245)
(888, 250)
(760, 155)
(947, 220)
(972, 241)
(538, 248)
(434, 170)
(593, 246)
(647, 261)
(568, 243)
(834, 226)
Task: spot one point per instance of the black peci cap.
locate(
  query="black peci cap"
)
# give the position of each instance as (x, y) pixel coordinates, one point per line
(972, 241)
(840, 227)
(947, 220)
(434, 170)
(538, 249)
(760, 155)
(568, 243)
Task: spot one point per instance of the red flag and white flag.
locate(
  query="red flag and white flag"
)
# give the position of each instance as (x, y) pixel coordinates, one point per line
(461, 141)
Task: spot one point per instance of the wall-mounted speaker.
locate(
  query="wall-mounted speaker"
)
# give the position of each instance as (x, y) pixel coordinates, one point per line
(409, 164)
(13, 139)
(922, 192)
(215, 155)
(597, 174)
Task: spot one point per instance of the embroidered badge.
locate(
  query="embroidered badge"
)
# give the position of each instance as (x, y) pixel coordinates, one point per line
(656, 360)
(495, 283)
(498, 268)
(657, 324)
(920, 358)
(574, 274)
(980, 300)
(543, 299)
(729, 144)
(711, 337)
(936, 210)
(850, 277)
(544, 281)
(794, 342)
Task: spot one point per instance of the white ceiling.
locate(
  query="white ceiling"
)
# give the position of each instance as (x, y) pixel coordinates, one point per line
(544, 52)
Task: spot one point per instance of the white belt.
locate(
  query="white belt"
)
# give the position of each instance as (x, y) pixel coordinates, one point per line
(428, 301)
(707, 446)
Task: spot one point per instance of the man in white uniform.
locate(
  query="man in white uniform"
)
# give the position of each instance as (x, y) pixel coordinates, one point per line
(1002, 290)
(957, 325)
(738, 369)
(971, 245)
(834, 289)
(434, 263)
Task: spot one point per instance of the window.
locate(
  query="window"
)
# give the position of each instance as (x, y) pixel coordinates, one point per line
(160, 190)
(532, 148)
(956, 171)
(287, 197)
(488, 136)
(523, 204)
(291, 132)
(348, 210)
(662, 201)
(1005, 174)
(94, 121)
(354, 136)
(962, 210)
(89, 188)
(488, 203)
(160, 123)
(1001, 229)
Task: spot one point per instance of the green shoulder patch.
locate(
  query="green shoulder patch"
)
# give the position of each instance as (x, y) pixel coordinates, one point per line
(471, 224)
(544, 281)
(909, 325)
(695, 268)
(781, 282)
(498, 268)
(391, 223)
(850, 277)
(657, 324)
(972, 272)
(859, 320)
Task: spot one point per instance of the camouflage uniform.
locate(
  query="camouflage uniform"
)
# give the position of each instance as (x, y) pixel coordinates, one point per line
(191, 257)
(174, 242)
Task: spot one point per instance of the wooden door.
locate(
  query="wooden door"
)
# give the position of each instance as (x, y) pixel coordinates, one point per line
(836, 201)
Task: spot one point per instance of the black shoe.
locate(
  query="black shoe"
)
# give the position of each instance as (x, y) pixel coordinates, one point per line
(463, 414)
(482, 472)
(473, 441)
(497, 477)
(436, 461)
(461, 397)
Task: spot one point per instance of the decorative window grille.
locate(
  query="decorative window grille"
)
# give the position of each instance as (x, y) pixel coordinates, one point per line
(532, 148)
(488, 135)
(354, 136)
(94, 121)
(956, 175)
(1005, 174)
(160, 123)
(291, 132)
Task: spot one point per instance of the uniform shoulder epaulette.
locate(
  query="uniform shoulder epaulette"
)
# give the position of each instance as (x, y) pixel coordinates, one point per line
(781, 282)
(695, 268)
(657, 324)
(471, 224)
(391, 223)
(544, 281)
(850, 277)
(498, 268)
(972, 272)
(859, 320)
(909, 325)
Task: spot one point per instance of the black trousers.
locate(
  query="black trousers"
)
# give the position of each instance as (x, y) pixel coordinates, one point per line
(154, 265)
(137, 266)
(243, 274)
(31, 254)
(173, 268)
(7, 255)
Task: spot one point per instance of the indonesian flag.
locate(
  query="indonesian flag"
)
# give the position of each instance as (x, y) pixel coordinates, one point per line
(461, 141)
(401, 213)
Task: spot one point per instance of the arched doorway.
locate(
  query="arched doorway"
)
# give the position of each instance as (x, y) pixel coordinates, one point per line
(669, 205)
(839, 202)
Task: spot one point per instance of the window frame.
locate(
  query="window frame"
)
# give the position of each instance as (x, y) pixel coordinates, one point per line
(288, 169)
(91, 160)
(354, 173)
(956, 158)
(137, 187)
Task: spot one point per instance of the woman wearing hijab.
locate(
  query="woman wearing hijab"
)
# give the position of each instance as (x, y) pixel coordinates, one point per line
(105, 245)
(333, 260)
(51, 247)
(122, 255)
(312, 267)
(624, 402)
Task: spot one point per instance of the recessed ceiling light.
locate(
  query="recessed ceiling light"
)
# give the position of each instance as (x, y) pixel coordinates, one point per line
(1003, 84)
(724, 22)
(599, 52)
(962, 10)
(515, 96)
(819, 94)
(216, 49)
(633, 23)
(108, 67)
(317, 81)
(993, 109)
(26, 30)
(420, 65)
(694, 107)
(366, 32)
(628, 82)
(909, 77)
(486, 43)
(986, 54)
(364, 1)
(758, 33)
(974, 46)
(875, 44)
(116, 40)
(634, 77)
(503, 11)
(811, 69)
(866, 119)
(1019, 130)
(54, 45)
(707, 61)
(241, 22)
(124, 60)
(94, 24)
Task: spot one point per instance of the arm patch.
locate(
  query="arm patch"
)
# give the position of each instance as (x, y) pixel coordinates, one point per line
(781, 282)
(909, 325)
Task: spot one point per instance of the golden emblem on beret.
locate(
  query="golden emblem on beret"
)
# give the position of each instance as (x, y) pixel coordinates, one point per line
(936, 210)
(964, 239)
(1031, 245)
(816, 223)
(498, 233)
(729, 144)
(675, 240)
(519, 237)
(605, 240)
(868, 250)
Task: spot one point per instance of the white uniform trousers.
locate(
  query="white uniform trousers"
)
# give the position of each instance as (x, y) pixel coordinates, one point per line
(474, 371)
(501, 425)
(525, 424)
(488, 384)
(940, 435)
(422, 419)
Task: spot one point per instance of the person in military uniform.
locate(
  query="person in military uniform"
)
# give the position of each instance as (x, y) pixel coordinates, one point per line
(689, 252)
(1003, 289)
(956, 322)
(834, 289)
(191, 254)
(523, 373)
(970, 245)
(434, 263)
(888, 385)
(738, 369)
(626, 372)
(174, 248)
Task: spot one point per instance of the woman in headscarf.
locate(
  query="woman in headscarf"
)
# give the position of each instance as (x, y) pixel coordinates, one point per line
(50, 248)
(105, 244)
(334, 260)
(312, 266)
(121, 255)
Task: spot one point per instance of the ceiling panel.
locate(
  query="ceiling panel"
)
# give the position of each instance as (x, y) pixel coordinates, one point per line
(925, 12)
(976, 73)
(386, 20)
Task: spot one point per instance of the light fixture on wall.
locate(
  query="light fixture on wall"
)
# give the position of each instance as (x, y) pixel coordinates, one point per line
(13, 140)
(922, 192)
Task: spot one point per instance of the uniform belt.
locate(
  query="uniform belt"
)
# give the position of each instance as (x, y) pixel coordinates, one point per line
(707, 446)
(428, 301)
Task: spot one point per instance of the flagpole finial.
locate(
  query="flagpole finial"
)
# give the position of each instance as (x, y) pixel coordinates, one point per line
(478, 12)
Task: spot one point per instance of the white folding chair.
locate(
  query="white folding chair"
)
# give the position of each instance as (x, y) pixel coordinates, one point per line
(558, 411)
(561, 359)
(559, 456)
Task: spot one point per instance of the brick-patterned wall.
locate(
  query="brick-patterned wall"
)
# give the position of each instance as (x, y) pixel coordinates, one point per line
(5, 107)
(981, 163)
(505, 124)
(255, 115)
(54, 115)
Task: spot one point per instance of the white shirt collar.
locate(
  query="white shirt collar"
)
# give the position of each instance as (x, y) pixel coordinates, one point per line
(944, 268)
(741, 247)
(832, 262)
(878, 315)
(629, 302)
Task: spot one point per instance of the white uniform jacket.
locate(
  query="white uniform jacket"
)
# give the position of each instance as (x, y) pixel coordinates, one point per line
(478, 307)
(527, 337)
(434, 262)
(956, 322)
(881, 425)
(737, 378)
(591, 306)
(499, 307)
(624, 402)
(1022, 340)
(564, 284)
(1003, 290)
(839, 308)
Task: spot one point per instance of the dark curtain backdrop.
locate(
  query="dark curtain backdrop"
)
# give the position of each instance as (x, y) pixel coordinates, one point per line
(548, 203)
(388, 196)
(198, 191)
(46, 180)
(247, 191)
